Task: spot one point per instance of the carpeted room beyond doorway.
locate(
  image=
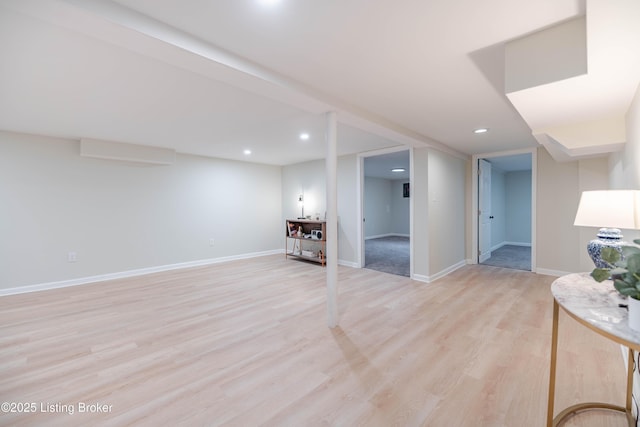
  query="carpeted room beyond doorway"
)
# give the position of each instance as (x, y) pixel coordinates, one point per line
(388, 254)
(511, 256)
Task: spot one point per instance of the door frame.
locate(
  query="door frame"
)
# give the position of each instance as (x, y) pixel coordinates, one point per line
(474, 199)
(360, 200)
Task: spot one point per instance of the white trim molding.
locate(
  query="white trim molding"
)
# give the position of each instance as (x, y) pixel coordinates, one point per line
(440, 274)
(548, 272)
(131, 273)
(351, 264)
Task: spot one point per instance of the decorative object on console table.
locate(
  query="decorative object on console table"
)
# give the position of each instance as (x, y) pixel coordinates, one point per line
(309, 240)
(611, 210)
(625, 274)
(301, 203)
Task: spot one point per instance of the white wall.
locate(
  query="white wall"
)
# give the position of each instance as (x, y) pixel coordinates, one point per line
(446, 212)
(561, 247)
(624, 173)
(439, 198)
(348, 210)
(420, 196)
(377, 207)
(120, 216)
(624, 166)
(308, 178)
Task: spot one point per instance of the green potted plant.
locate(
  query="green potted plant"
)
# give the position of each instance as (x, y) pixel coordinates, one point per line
(624, 270)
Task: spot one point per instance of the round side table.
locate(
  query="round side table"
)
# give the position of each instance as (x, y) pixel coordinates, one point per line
(596, 306)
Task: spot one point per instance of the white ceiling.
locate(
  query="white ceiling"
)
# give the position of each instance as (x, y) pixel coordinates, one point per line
(380, 166)
(213, 77)
(511, 163)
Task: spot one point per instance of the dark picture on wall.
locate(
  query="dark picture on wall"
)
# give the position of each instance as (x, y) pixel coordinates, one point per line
(405, 189)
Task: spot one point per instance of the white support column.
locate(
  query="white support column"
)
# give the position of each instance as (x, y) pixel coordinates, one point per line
(332, 220)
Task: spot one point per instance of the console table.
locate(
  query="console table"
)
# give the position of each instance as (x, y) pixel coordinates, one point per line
(594, 305)
(306, 233)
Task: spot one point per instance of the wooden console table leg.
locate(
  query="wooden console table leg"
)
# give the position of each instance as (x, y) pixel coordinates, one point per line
(552, 366)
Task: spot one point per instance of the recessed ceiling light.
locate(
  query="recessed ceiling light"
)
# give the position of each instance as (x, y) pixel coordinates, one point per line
(247, 152)
(481, 130)
(304, 136)
(398, 170)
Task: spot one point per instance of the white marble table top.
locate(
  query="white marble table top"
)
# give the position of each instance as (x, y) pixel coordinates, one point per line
(597, 304)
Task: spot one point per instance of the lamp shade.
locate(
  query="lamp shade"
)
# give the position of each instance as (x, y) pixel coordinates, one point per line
(609, 208)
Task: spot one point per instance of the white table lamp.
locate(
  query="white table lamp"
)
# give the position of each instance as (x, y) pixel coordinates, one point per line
(611, 210)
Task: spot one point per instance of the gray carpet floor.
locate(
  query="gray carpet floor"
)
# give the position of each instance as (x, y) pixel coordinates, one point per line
(387, 254)
(510, 256)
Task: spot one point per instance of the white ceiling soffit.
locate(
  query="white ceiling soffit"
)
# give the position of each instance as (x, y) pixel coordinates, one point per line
(579, 111)
(561, 153)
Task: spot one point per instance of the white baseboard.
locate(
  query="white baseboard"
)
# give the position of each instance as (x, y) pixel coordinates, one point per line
(131, 273)
(421, 278)
(440, 274)
(351, 264)
(496, 247)
(548, 272)
(447, 270)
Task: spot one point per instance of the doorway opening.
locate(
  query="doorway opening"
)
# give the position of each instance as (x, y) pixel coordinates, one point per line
(505, 196)
(386, 213)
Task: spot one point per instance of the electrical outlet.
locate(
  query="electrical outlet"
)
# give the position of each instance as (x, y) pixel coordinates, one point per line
(211, 242)
(72, 257)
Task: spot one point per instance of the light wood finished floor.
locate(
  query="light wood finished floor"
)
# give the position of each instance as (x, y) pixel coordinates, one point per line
(245, 344)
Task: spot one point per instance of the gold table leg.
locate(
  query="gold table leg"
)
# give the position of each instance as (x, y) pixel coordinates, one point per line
(561, 417)
(552, 368)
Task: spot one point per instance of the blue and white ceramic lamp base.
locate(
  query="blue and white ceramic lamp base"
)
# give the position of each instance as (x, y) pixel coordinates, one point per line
(607, 238)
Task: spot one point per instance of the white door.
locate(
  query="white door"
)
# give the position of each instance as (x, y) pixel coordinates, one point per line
(484, 210)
